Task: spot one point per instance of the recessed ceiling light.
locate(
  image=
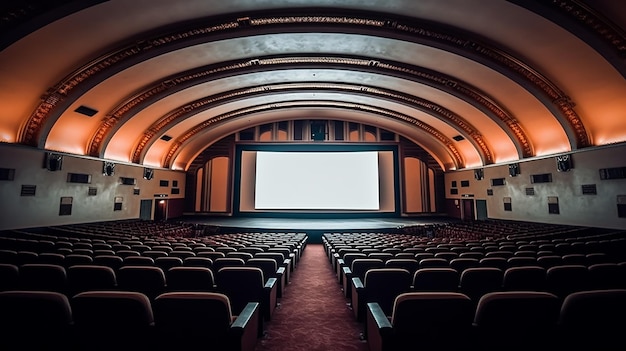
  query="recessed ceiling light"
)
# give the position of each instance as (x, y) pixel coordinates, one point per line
(87, 111)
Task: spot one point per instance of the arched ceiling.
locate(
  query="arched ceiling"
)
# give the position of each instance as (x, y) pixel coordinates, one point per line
(516, 79)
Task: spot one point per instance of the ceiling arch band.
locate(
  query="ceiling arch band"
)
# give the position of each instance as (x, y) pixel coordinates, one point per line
(60, 97)
(198, 129)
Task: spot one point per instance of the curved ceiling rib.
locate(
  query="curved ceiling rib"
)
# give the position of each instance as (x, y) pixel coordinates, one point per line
(197, 130)
(160, 127)
(60, 97)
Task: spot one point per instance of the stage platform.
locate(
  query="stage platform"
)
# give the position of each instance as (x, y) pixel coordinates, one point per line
(230, 224)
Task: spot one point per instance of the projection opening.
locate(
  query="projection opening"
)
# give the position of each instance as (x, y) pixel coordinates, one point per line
(317, 181)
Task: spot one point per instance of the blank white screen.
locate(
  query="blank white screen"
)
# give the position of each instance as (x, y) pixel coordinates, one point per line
(317, 180)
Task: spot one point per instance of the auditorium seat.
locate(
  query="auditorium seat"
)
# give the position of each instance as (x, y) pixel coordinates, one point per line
(35, 320)
(138, 261)
(593, 320)
(358, 268)
(185, 278)
(82, 278)
(421, 321)
(606, 276)
(166, 263)
(516, 320)
(281, 261)
(248, 284)
(113, 320)
(41, 276)
(410, 264)
(112, 261)
(476, 282)
(149, 281)
(527, 278)
(197, 261)
(9, 277)
(563, 280)
(52, 258)
(74, 258)
(270, 270)
(204, 320)
(222, 262)
(461, 263)
(380, 285)
(435, 279)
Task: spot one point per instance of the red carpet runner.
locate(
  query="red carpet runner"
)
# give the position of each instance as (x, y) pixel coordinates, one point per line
(313, 314)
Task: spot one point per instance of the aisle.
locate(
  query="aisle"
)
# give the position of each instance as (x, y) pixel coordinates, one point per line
(313, 314)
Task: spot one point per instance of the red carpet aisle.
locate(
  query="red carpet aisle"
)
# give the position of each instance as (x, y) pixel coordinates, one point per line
(313, 314)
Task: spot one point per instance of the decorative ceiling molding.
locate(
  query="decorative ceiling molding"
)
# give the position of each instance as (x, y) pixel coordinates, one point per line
(178, 143)
(181, 113)
(58, 98)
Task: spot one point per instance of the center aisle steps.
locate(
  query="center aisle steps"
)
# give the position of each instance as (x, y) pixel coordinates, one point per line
(313, 314)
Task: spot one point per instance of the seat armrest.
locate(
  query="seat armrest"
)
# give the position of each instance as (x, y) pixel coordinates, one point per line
(246, 328)
(270, 299)
(378, 328)
(357, 296)
(270, 283)
(347, 277)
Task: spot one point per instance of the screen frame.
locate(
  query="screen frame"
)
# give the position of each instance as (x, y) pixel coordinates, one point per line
(315, 147)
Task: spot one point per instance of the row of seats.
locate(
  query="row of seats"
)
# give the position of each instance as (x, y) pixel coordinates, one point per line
(367, 284)
(126, 320)
(514, 320)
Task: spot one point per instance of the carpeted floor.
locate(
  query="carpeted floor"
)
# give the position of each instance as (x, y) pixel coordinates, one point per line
(313, 314)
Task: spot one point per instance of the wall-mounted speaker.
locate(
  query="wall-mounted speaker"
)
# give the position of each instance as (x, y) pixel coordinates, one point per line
(514, 169)
(148, 173)
(108, 168)
(479, 174)
(53, 162)
(564, 163)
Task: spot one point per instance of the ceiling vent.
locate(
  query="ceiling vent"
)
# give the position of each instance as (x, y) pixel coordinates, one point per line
(87, 111)
(166, 138)
(458, 138)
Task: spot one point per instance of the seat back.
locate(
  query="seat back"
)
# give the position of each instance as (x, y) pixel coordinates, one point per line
(361, 265)
(35, 320)
(108, 320)
(147, 280)
(606, 276)
(185, 278)
(435, 279)
(475, 282)
(42, 276)
(564, 279)
(519, 319)
(222, 262)
(528, 278)
(241, 285)
(594, 319)
(193, 320)
(9, 277)
(432, 320)
(410, 264)
(383, 285)
(82, 278)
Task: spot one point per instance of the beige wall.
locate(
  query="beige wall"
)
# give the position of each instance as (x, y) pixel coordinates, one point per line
(575, 208)
(18, 211)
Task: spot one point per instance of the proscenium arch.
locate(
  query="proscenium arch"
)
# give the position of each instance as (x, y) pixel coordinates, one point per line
(160, 127)
(60, 97)
(197, 131)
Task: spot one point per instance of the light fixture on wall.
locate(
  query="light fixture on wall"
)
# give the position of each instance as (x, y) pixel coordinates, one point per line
(514, 169)
(479, 174)
(148, 173)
